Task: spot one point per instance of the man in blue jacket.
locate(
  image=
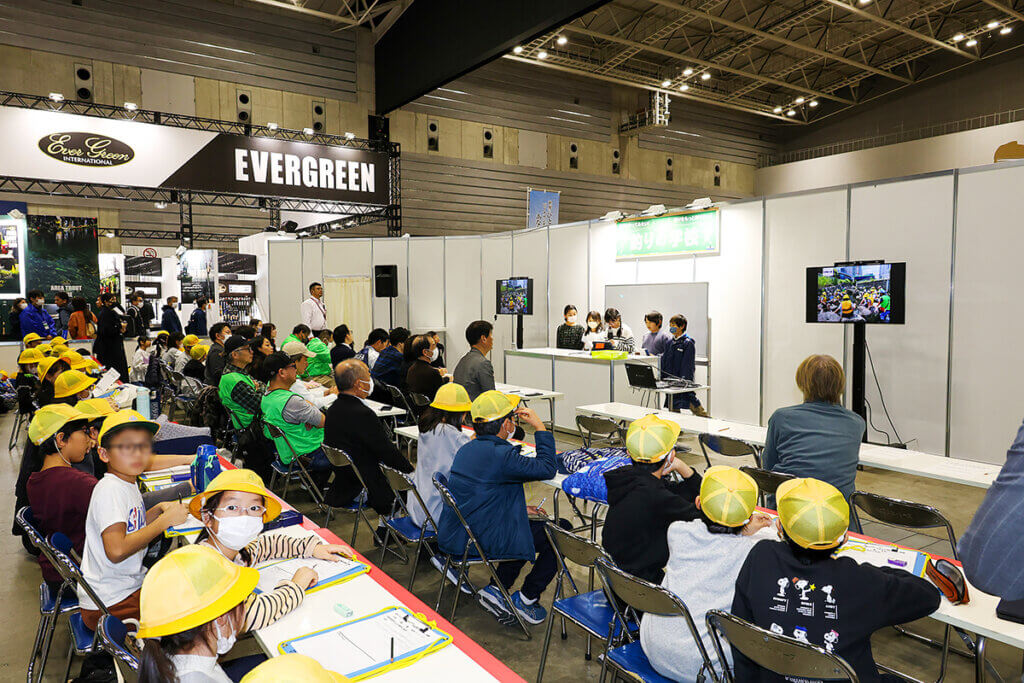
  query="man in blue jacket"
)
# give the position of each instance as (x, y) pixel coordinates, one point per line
(169, 320)
(680, 361)
(486, 479)
(34, 318)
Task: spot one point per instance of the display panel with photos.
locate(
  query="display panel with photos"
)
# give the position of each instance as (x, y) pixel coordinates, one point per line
(236, 264)
(864, 292)
(514, 296)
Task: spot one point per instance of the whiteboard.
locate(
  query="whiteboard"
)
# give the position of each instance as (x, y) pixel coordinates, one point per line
(688, 298)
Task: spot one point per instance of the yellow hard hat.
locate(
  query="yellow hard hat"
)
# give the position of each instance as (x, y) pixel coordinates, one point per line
(727, 495)
(30, 356)
(59, 341)
(292, 668)
(91, 364)
(95, 408)
(237, 480)
(162, 333)
(452, 397)
(75, 360)
(70, 382)
(44, 349)
(189, 587)
(199, 351)
(491, 405)
(31, 337)
(48, 420)
(45, 365)
(813, 513)
(190, 340)
(650, 438)
(126, 418)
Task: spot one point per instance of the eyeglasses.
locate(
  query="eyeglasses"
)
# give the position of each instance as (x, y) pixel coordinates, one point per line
(238, 510)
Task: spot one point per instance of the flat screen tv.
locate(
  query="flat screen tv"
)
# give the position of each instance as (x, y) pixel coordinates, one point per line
(514, 296)
(861, 291)
(149, 266)
(236, 264)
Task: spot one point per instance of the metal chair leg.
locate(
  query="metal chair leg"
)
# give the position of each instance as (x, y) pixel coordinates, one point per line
(416, 562)
(71, 654)
(547, 643)
(444, 578)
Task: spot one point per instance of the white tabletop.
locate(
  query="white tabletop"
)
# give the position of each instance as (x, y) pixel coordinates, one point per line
(528, 393)
(669, 391)
(382, 409)
(956, 470)
(573, 354)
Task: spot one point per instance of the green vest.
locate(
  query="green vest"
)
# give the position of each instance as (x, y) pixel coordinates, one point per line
(303, 438)
(240, 417)
(321, 365)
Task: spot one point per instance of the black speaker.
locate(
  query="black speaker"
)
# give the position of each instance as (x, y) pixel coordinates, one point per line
(379, 128)
(385, 281)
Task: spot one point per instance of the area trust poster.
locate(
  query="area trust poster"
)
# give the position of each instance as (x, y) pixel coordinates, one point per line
(63, 255)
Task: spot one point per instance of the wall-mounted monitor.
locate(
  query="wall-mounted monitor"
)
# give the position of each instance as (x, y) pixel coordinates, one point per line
(148, 266)
(857, 292)
(150, 290)
(514, 296)
(236, 264)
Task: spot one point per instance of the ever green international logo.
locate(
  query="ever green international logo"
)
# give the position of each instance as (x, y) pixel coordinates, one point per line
(86, 149)
(692, 232)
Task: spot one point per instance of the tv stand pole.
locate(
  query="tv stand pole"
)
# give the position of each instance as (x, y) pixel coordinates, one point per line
(519, 330)
(857, 378)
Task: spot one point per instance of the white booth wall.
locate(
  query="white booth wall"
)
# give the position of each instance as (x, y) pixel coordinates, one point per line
(957, 230)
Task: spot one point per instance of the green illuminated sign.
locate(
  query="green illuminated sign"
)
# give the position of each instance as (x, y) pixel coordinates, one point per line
(694, 232)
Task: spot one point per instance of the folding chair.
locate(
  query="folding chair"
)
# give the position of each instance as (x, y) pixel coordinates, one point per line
(399, 523)
(114, 640)
(728, 447)
(26, 408)
(600, 430)
(904, 514)
(339, 459)
(767, 482)
(399, 400)
(51, 605)
(419, 402)
(180, 398)
(478, 557)
(293, 470)
(82, 640)
(780, 654)
(589, 611)
(638, 595)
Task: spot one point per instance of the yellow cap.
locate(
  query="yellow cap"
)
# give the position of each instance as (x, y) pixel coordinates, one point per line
(162, 333)
(126, 418)
(199, 351)
(91, 364)
(45, 365)
(237, 480)
(190, 340)
(70, 382)
(727, 495)
(452, 397)
(30, 356)
(48, 420)
(31, 337)
(75, 360)
(95, 407)
(59, 341)
(491, 405)
(44, 349)
(650, 438)
(813, 513)
(189, 587)
(292, 668)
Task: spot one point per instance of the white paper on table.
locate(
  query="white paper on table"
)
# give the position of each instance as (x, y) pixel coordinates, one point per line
(104, 383)
(887, 556)
(365, 644)
(274, 571)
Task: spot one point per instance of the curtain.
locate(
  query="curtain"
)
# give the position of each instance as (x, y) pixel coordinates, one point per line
(349, 302)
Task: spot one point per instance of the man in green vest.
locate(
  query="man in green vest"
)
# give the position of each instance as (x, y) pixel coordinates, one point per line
(300, 333)
(319, 368)
(301, 421)
(238, 391)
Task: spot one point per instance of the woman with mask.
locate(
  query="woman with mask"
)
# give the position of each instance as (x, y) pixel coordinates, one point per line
(569, 334)
(261, 348)
(422, 378)
(595, 330)
(233, 510)
(14, 318)
(192, 606)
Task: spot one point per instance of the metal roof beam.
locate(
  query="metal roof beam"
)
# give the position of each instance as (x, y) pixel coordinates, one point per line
(901, 28)
(1003, 8)
(310, 12)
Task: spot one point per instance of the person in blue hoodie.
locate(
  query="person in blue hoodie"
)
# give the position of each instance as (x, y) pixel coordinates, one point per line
(34, 318)
(486, 480)
(169, 320)
(679, 362)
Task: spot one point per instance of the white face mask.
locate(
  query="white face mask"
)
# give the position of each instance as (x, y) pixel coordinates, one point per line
(238, 532)
(369, 383)
(434, 354)
(22, 306)
(591, 324)
(225, 643)
(571, 320)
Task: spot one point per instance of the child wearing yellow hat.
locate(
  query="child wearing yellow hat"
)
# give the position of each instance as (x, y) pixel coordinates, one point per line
(72, 385)
(441, 436)
(233, 510)
(49, 369)
(28, 367)
(642, 504)
(705, 556)
(795, 587)
(191, 612)
(32, 340)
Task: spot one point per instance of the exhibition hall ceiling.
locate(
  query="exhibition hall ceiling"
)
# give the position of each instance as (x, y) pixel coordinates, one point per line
(795, 60)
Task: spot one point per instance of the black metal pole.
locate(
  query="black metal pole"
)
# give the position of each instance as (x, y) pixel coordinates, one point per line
(519, 330)
(857, 379)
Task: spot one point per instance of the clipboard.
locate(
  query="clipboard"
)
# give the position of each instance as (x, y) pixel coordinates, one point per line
(330, 573)
(360, 648)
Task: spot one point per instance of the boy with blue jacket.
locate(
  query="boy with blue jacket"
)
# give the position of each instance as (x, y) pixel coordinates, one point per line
(486, 480)
(679, 362)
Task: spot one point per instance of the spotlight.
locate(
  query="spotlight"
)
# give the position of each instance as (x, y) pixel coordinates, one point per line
(542, 55)
(307, 131)
(957, 37)
(665, 83)
(799, 100)
(684, 87)
(562, 40)
(705, 76)
(687, 71)
(272, 126)
(777, 110)
(863, 2)
(56, 97)
(518, 49)
(992, 24)
(289, 226)
(813, 103)
(110, 234)
(791, 113)
(161, 205)
(1005, 31)
(350, 136)
(180, 250)
(971, 43)
(131, 106)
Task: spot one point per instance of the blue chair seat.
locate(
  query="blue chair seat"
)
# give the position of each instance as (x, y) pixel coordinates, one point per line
(592, 611)
(279, 467)
(82, 634)
(631, 657)
(408, 529)
(47, 598)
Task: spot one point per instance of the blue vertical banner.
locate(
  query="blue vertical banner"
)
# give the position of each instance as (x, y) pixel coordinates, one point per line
(542, 208)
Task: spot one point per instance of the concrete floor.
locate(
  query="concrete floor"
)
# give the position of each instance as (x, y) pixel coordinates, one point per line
(19, 593)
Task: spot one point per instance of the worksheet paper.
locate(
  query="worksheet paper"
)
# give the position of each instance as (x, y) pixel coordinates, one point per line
(364, 645)
(912, 561)
(327, 572)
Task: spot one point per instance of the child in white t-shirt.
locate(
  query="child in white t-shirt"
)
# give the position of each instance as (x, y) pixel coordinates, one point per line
(118, 528)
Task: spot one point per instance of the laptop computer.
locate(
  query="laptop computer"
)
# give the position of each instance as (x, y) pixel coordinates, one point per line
(641, 376)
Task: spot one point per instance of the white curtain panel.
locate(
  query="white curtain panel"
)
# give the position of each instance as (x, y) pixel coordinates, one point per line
(349, 302)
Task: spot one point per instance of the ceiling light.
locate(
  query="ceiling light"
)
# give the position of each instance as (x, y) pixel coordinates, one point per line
(542, 55)
(971, 43)
(350, 136)
(799, 100)
(777, 110)
(56, 97)
(131, 106)
(684, 87)
(665, 83)
(993, 24)
(791, 113)
(160, 205)
(562, 40)
(307, 131)
(705, 76)
(813, 103)
(958, 37)
(110, 234)
(687, 71)
(518, 49)
(864, 2)
(1006, 30)
(272, 126)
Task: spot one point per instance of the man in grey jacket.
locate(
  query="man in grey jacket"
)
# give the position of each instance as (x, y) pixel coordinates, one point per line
(474, 371)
